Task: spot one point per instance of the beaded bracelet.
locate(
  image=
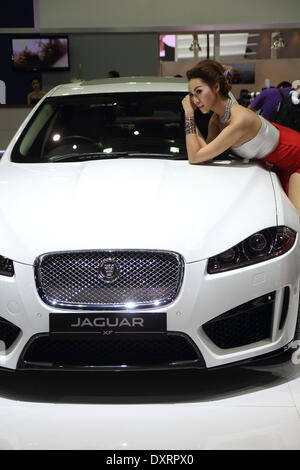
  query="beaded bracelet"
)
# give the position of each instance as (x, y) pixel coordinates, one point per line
(190, 127)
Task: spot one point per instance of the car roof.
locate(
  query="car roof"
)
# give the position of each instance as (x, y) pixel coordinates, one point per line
(121, 85)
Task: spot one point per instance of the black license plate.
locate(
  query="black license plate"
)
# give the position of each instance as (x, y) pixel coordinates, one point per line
(108, 323)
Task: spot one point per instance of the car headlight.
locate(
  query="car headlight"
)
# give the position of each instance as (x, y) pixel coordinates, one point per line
(261, 246)
(6, 267)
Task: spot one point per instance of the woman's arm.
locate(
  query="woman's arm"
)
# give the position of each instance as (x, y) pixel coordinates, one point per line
(198, 150)
(226, 139)
(190, 125)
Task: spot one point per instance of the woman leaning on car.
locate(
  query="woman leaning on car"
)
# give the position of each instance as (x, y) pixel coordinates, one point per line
(233, 126)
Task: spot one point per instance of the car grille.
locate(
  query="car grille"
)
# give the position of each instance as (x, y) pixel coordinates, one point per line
(245, 324)
(109, 279)
(119, 351)
(8, 333)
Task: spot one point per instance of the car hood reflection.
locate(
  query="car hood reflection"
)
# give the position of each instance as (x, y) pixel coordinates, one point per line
(196, 210)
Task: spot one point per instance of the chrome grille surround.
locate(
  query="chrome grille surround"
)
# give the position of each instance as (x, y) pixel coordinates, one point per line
(134, 278)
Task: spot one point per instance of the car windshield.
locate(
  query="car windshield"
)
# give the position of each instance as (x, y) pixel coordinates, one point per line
(91, 126)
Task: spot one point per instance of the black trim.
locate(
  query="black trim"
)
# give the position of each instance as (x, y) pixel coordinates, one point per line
(194, 365)
(250, 360)
(285, 307)
(243, 325)
(198, 362)
(9, 333)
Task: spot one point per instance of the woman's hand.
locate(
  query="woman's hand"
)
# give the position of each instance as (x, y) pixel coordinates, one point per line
(188, 106)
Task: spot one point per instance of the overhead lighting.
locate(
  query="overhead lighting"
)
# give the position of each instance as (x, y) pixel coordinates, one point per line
(56, 137)
(278, 42)
(195, 46)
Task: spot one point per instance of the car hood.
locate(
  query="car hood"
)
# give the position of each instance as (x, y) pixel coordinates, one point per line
(195, 210)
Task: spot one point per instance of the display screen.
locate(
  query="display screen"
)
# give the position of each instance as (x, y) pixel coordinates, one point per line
(167, 44)
(243, 72)
(39, 54)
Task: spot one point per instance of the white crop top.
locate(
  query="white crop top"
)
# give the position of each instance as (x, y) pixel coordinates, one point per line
(262, 144)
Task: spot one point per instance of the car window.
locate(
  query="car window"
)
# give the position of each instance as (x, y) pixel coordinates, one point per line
(104, 125)
(36, 126)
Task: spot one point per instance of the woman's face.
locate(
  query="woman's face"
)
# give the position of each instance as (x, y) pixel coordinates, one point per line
(35, 84)
(202, 95)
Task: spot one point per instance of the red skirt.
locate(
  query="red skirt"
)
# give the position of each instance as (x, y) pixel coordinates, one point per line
(286, 156)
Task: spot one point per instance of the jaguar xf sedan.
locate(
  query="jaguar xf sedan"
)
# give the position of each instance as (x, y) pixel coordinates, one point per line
(117, 254)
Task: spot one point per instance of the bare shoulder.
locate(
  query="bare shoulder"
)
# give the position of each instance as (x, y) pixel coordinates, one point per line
(241, 116)
(244, 124)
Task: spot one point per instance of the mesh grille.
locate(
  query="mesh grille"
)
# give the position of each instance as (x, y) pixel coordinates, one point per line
(246, 324)
(109, 279)
(56, 351)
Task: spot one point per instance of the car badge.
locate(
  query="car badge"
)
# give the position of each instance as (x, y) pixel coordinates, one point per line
(108, 271)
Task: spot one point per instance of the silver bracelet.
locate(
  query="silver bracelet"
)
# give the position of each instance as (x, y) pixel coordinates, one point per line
(190, 126)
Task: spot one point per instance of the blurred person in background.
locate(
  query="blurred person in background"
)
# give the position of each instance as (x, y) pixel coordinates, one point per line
(244, 98)
(295, 93)
(113, 74)
(267, 101)
(36, 94)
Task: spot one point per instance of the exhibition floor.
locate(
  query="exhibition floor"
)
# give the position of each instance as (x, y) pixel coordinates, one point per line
(247, 407)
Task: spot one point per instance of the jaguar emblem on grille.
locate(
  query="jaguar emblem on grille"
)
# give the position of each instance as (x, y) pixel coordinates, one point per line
(108, 271)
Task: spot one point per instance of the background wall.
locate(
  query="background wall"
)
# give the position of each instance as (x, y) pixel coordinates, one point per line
(56, 14)
(15, 15)
(10, 119)
(276, 70)
(91, 56)
(130, 54)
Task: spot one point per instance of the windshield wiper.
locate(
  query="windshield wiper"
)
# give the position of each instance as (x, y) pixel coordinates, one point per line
(171, 156)
(86, 156)
(79, 157)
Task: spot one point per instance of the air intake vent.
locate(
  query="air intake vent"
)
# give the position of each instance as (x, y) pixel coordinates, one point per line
(285, 307)
(133, 351)
(8, 333)
(245, 324)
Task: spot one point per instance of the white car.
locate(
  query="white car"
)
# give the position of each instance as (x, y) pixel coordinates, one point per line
(116, 253)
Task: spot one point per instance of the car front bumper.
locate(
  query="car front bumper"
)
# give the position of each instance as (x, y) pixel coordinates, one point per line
(216, 320)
